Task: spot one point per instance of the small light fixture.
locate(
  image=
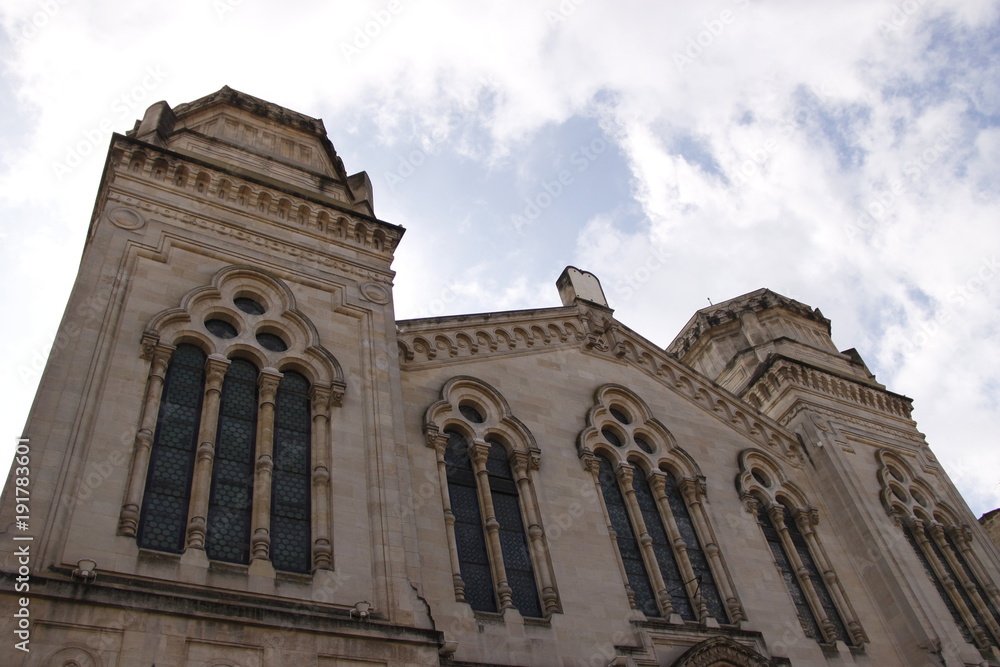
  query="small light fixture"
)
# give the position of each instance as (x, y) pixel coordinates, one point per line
(86, 570)
(362, 610)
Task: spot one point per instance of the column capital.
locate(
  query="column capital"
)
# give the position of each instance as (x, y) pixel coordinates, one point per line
(319, 396)
(693, 488)
(267, 384)
(478, 452)
(215, 372)
(148, 344)
(625, 473)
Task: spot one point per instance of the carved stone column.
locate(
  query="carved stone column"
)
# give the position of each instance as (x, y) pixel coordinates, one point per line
(593, 465)
(624, 473)
(159, 357)
(322, 544)
(439, 443)
(776, 512)
(962, 538)
(479, 451)
(805, 520)
(260, 539)
(693, 491)
(201, 483)
(658, 485)
(949, 584)
(536, 535)
(937, 532)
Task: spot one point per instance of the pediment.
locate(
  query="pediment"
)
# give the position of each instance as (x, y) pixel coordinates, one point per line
(464, 339)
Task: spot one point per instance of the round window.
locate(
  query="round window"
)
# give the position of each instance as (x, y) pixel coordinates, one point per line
(220, 328)
(248, 305)
(272, 342)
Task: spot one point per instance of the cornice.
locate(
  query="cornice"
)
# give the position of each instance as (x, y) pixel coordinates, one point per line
(443, 341)
(781, 372)
(913, 436)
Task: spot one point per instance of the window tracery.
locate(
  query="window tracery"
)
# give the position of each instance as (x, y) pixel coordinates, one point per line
(231, 456)
(653, 495)
(485, 459)
(787, 523)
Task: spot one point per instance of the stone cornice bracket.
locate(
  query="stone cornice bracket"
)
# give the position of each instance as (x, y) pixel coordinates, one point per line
(150, 340)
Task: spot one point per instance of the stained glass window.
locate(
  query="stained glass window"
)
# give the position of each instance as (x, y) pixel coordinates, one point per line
(290, 481)
(168, 483)
(976, 615)
(661, 547)
(474, 562)
(802, 608)
(513, 541)
(231, 501)
(696, 556)
(972, 578)
(818, 583)
(628, 546)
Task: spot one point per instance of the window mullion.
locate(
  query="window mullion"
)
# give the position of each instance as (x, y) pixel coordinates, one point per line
(439, 442)
(128, 522)
(950, 585)
(937, 532)
(776, 512)
(536, 535)
(479, 453)
(657, 483)
(963, 541)
(593, 464)
(692, 491)
(201, 485)
(322, 547)
(624, 474)
(260, 541)
(805, 520)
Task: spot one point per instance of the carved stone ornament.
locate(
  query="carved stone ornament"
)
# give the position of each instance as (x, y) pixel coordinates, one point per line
(722, 651)
(375, 293)
(125, 218)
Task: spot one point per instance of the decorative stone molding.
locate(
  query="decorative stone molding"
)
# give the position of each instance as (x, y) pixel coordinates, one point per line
(722, 651)
(790, 373)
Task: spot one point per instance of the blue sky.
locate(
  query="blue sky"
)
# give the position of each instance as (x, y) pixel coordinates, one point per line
(846, 155)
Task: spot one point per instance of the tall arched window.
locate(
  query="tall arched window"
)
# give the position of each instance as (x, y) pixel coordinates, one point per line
(231, 500)
(485, 456)
(472, 554)
(165, 503)
(628, 546)
(290, 485)
(788, 525)
(659, 523)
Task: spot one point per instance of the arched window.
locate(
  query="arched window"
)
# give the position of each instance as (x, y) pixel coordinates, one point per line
(231, 501)
(485, 458)
(788, 525)
(472, 555)
(291, 481)
(659, 523)
(165, 503)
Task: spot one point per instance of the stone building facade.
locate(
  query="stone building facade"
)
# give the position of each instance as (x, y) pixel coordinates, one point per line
(240, 457)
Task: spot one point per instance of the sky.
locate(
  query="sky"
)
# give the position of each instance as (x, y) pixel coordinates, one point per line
(844, 154)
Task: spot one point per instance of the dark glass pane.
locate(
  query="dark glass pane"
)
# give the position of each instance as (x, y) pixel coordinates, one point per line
(163, 520)
(249, 306)
(290, 483)
(805, 614)
(231, 501)
(220, 328)
(696, 556)
(818, 582)
(643, 445)
(628, 547)
(470, 413)
(513, 541)
(620, 415)
(272, 342)
(611, 437)
(957, 617)
(474, 562)
(661, 547)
